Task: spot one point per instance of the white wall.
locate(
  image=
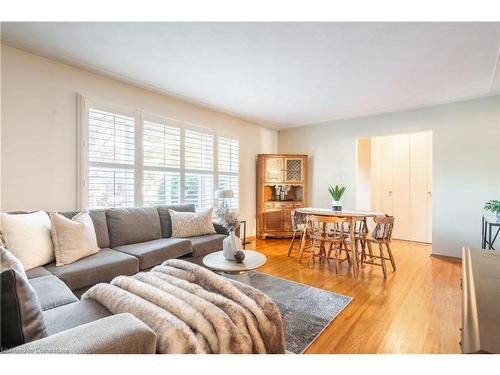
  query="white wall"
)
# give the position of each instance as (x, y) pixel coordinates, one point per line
(466, 170)
(39, 132)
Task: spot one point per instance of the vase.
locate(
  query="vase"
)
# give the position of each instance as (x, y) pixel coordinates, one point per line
(230, 244)
(336, 206)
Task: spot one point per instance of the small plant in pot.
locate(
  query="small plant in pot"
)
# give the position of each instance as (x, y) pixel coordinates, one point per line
(336, 192)
(493, 206)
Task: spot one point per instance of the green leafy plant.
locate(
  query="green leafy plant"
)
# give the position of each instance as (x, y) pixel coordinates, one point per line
(337, 191)
(492, 206)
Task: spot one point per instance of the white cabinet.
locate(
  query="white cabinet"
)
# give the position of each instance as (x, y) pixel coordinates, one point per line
(401, 178)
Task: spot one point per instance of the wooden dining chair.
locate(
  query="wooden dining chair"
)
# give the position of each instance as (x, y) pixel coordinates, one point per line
(299, 226)
(381, 236)
(328, 238)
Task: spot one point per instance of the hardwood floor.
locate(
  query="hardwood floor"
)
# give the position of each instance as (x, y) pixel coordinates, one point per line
(417, 309)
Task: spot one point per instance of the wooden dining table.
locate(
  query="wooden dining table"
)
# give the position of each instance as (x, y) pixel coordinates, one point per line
(349, 215)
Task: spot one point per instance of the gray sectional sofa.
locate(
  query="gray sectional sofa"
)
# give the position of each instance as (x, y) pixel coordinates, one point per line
(131, 240)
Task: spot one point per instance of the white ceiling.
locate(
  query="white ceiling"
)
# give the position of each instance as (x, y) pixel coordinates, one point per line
(282, 74)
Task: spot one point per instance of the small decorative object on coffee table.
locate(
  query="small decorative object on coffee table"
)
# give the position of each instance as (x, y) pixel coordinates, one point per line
(229, 219)
(231, 245)
(217, 262)
(239, 256)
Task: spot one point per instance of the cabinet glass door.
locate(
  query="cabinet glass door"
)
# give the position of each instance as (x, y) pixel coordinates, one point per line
(274, 170)
(293, 170)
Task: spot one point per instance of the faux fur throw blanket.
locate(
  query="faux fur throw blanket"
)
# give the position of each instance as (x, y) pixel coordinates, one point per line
(193, 310)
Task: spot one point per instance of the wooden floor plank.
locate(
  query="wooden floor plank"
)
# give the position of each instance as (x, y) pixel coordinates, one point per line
(417, 309)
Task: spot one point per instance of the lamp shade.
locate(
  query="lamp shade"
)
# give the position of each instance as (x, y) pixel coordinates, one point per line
(223, 194)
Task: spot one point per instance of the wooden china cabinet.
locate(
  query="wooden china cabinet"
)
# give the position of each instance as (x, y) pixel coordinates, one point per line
(281, 187)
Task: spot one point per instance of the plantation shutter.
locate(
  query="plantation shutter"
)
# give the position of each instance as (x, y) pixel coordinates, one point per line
(198, 161)
(228, 163)
(162, 162)
(111, 160)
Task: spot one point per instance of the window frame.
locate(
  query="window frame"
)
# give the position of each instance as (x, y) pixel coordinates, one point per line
(140, 116)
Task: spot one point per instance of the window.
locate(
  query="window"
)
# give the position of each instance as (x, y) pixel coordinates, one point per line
(131, 159)
(110, 160)
(228, 161)
(162, 163)
(198, 181)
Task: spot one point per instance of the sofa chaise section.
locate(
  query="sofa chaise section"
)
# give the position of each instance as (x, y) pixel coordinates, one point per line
(115, 334)
(52, 292)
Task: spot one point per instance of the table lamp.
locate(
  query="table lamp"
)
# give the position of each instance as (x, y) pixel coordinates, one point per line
(224, 195)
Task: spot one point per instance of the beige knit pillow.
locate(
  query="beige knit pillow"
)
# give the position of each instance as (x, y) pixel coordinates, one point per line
(190, 224)
(73, 238)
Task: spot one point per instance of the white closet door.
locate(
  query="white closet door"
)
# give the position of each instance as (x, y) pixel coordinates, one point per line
(402, 181)
(401, 186)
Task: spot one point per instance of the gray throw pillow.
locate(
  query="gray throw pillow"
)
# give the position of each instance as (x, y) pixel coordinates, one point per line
(20, 310)
(133, 225)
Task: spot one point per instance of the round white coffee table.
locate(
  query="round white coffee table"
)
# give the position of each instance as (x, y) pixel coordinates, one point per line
(216, 262)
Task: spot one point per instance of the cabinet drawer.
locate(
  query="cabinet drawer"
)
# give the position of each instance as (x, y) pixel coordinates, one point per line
(268, 205)
(298, 204)
(283, 205)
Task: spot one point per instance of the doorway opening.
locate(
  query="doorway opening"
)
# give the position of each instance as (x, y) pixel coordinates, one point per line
(394, 177)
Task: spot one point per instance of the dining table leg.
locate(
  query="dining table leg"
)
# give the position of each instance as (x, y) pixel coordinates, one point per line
(354, 248)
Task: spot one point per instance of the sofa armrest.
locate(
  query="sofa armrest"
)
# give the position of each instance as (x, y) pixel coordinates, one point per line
(115, 334)
(219, 229)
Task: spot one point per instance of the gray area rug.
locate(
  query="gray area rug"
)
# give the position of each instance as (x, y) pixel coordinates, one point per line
(306, 311)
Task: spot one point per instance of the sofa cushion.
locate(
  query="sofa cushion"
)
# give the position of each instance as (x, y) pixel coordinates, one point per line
(152, 253)
(203, 245)
(73, 315)
(37, 272)
(166, 221)
(27, 236)
(133, 225)
(192, 224)
(52, 292)
(73, 238)
(100, 225)
(20, 310)
(98, 268)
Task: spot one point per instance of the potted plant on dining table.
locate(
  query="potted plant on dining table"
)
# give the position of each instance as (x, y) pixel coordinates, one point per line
(337, 192)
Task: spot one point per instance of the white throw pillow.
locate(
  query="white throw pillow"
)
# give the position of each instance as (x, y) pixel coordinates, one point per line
(190, 224)
(27, 236)
(73, 238)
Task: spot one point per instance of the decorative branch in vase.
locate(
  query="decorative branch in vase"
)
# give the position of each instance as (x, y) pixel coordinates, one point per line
(231, 245)
(337, 192)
